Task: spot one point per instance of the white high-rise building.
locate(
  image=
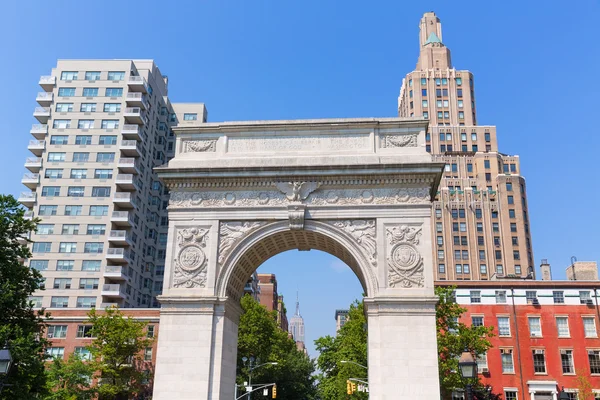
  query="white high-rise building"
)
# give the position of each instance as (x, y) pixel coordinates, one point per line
(297, 324)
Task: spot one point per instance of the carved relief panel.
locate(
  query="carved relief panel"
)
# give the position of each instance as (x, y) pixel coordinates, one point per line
(191, 261)
(405, 266)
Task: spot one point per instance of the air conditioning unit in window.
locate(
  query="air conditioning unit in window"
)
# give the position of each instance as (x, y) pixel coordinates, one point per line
(535, 302)
(485, 370)
(589, 302)
(50, 336)
(592, 352)
(538, 351)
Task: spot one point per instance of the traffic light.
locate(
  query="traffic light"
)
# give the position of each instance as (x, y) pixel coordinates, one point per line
(353, 387)
(348, 387)
(274, 394)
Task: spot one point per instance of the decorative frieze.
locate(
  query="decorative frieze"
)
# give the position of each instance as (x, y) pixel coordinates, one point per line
(405, 263)
(400, 140)
(380, 196)
(191, 261)
(297, 191)
(199, 146)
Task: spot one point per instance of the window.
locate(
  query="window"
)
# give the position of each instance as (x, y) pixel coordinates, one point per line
(88, 107)
(90, 92)
(488, 177)
(88, 283)
(513, 227)
(461, 115)
(566, 360)
(517, 269)
(507, 361)
(562, 326)
(55, 352)
(584, 296)
(503, 326)
(530, 296)
(440, 240)
(84, 331)
(463, 227)
(148, 354)
(150, 331)
(459, 92)
(424, 104)
(190, 117)
(477, 320)
(62, 283)
(85, 124)
(98, 210)
(40, 265)
(500, 296)
(112, 107)
(481, 362)
(511, 213)
(510, 395)
(59, 302)
(594, 359)
(61, 123)
(589, 327)
(110, 124)
(438, 227)
(440, 254)
(100, 191)
(516, 255)
(92, 75)
(103, 174)
(483, 268)
(105, 157)
(116, 75)
(72, 210)
(457, 253)
(482, 255)
(92, 247)
(442, 268)
(475, 296)
(78, 173)
(83, 353)
(458, 268)
(114, 92)
(515, 241)
(67, 247)
(45, 229)
(539, 361)
(499, 269)
(68, 76)
(75, 191)
(559, 296)
(65, 265)
(64, 107)
(36, 301)
(66, 92)
(81, 157)
(498, 254)
(96, 229)
(50, 191)
(53, 173)
(479, 227)
(535, 327)
(424, 92)
(511, 200)
(91, 265)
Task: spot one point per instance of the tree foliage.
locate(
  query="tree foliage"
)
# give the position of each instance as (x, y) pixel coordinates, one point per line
(117, 355)
(261, 338)
(69, 380)
(584, 387)
(21, 327)
(350, 344)
(453, 337)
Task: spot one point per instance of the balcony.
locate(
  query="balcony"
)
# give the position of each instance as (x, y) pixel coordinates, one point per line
(129, 148)
(121, 218)
(31, 180)
(127, 165)
(113, 290)
(123, 200)
(120, 238)
(131, 132)
(44, 99)
(137, 84)
(47, 82)
(39, 131)
(42, 114)
(115, 272)
(27, 199)
(126, 182)
(37, 147)
(33, 164)
(137, 100)
(24, 239)
(135, 115)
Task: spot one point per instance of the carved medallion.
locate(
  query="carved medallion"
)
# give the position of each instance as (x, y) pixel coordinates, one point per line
(232, 232)
(190, 263)
(405, 263)
(199, 146)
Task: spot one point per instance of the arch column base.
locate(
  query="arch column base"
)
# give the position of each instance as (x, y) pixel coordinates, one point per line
(197, 347)
(403, 358)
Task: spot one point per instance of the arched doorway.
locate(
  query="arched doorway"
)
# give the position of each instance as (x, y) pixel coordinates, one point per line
(357, 189)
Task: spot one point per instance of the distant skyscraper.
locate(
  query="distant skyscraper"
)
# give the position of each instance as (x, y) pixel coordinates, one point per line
(341, 316)
(297, 324)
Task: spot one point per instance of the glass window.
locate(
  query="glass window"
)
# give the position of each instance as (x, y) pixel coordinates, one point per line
(92, 75)
(67, 247)
(510, 395)
(535, 327)
(90, 265)
(61, 123)
(90, 92)
(88, 283)
(59, 302)
(112, 107)
(438, 227)
(81, 157)
(559, 296)
(36, 301)
(503, 326)
(85, 302)
(78, 173)
(463, 227)
(423, 81)
(507, 361)
(96, 229)
(517, 269)
(148, 354)
(98, 210)
(530, 296)
(584, 296)
(59, 139)
(64, 107)
(440, 254)
(108, 139)
(88, 107)
(84, 331)
(100, 191)
(50, 191)
(105, 157)
(562, 326)
(190, 117)
(85, 124)
(539, 361)
(473, 136)
(475, 296)
(82, 352)
(424, 103)
(594, 359)
(483, 268)
(66, 92)
(500, 296)
(150, 331)
(75, 191)
(424, 92)
(114, 92)
(116, 75)
(103, 174)
(55, 352)
(110, 124)
(476, 320)
(62, 283)
(442, 268)
(65, 265)
(92, 247)
(72, 210)
(566, 360)
(68, 76)
(589, 327)
(40, 265)
(45, 229)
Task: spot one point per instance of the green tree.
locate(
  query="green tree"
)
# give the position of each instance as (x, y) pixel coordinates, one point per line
(21, 327)
(350, 344)
(584, 387)
(117, 355)
(69, 380)
(453, 338)
(261, 338)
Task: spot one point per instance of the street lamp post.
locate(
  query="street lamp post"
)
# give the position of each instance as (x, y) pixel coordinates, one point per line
(5, 364)
(468, 370)
(563, 395)
(252, 367)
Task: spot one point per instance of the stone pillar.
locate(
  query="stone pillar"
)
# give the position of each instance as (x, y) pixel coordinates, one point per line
(403, 358)
(197, 346)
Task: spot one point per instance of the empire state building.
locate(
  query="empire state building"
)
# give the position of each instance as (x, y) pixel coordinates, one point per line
(297, 324)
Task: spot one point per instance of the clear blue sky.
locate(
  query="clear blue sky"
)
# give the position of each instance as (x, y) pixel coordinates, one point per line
(535, 64)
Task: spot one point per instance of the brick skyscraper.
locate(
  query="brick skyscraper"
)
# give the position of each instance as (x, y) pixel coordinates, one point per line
(480, 219)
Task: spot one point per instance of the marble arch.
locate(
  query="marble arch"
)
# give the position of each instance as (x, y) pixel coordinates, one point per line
(242, 192)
